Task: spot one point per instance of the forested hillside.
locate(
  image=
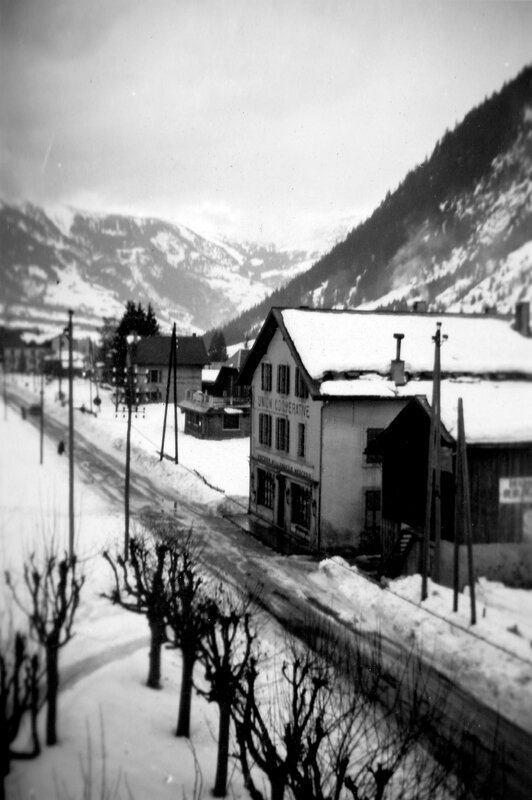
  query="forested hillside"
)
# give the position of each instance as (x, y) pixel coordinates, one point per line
(457, 231)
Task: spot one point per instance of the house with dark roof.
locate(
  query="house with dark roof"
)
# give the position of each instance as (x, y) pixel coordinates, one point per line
(325, 383)
(152, 358)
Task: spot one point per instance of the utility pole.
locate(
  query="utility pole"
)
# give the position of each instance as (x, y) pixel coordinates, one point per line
(172, 365)
(5, 387)
(60, 375)
(42, 417)
(466, 508)
(70, 330)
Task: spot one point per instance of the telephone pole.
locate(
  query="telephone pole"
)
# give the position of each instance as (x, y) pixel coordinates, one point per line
(69, 332)
(433, 497)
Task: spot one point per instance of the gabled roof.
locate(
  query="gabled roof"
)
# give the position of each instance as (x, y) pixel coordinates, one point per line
(238, 359)
(155, 350)
(331, 346)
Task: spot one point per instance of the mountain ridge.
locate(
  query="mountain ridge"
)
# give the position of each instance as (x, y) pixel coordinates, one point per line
(94, 262)
(456, 232)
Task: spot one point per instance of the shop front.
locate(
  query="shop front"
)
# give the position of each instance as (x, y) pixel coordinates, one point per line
(286, 496)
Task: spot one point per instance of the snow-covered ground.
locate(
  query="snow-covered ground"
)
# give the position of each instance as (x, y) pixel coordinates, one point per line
(103, 668)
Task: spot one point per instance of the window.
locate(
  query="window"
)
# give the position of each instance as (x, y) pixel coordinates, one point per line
(265, 430)
(372, 520)
(265, 488)
(301, 503)
(282, 435)
(301, 434)
(301, 389)
(266, 377)
(231, 422)
(155, 376)
(283, 379)
(372, 434)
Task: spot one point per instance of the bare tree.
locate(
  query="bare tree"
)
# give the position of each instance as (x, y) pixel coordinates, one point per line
(186, 618)
(323, 738)
(54, 588)
(19, 694)
(225, 652)
(141, 586)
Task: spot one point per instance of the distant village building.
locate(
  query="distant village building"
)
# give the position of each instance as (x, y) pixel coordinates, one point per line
(221, 410)
(498, 429)
(153, 359)
(21, 356)
(325, 384)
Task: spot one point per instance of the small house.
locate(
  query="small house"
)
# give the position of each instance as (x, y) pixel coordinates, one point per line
(221, 410)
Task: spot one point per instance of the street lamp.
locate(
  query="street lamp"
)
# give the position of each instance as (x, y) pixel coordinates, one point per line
(130, 405)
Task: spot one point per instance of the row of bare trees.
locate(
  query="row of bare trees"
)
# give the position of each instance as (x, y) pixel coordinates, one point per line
(29, 658)
(318, 723)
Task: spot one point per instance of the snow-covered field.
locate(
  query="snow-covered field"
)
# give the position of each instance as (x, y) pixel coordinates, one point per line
(105, 665)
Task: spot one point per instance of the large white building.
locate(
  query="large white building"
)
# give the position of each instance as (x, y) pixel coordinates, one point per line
(324, 383)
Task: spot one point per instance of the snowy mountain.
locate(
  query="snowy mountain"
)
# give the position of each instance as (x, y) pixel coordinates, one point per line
(61, 258)
(457, 232)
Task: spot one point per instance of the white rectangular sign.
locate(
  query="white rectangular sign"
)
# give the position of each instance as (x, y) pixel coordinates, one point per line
(515, 490)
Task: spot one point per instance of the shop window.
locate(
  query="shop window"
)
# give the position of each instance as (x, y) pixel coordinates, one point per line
(266, 377)
(265, 488)
(372, 521)
(283, 379)
(371, 434)
(301, 500)
(301, 389)
(301, 439)
(265, 430)
(231, 422)
(282, 435)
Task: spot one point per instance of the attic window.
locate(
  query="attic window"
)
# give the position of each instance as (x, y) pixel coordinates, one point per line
(283, 379)
(301, 389)
(266, 377)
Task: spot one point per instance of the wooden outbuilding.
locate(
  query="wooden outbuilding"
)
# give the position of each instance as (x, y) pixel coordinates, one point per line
(498, 428)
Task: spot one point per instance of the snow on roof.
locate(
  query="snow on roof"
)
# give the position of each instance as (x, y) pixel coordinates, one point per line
(495, 412)
(351, 341)
(209, 375)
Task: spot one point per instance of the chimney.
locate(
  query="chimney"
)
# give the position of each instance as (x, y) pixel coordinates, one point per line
(397, 369)
(522, 318)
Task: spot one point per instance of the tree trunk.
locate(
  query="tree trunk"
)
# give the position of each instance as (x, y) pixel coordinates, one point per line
(158, 636)
(278, 785)
(4, 760)
(185, 700)
(52, 680)
(220, 784)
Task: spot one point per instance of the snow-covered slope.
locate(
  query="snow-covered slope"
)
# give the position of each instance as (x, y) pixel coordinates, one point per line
(62, 258)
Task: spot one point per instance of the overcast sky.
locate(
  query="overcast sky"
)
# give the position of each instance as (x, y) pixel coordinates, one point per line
(258, 118)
